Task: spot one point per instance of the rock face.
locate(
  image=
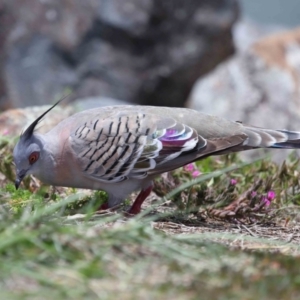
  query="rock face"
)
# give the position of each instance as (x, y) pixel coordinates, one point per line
(14, 121)
(260, 85)
(143, 51)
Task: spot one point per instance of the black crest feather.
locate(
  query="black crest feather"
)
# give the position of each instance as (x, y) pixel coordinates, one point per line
(30, 129)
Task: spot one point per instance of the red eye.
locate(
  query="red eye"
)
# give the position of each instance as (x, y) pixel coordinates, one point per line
(33, 157)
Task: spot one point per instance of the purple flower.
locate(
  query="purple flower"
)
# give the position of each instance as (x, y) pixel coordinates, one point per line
(266, 201)
(189, 167)
(233, 181)
(269, 198)
(271, 195)
(196, 173)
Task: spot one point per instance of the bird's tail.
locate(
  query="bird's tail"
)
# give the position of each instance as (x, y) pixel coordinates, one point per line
(268, 138)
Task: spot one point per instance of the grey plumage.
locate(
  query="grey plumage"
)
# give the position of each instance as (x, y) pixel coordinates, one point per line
(121, 149)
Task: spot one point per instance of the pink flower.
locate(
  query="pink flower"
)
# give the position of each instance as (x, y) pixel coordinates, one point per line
(269, 198)
(233, 181)
(266, 201)
(189, 167)
(196, 173)
(271, 195)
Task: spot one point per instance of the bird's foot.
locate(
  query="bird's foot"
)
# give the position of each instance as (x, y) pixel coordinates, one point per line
(103, 206)
(136, 206)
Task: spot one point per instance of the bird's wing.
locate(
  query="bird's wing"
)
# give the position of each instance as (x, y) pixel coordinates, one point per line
(131, 144)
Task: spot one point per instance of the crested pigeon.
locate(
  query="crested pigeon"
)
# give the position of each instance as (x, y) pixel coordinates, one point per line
(121, 149)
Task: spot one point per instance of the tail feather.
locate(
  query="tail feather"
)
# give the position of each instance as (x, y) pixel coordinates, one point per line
(268, 138)
(291, 144)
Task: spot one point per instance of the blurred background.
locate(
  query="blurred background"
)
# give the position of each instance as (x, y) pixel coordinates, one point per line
(272, 11)
(237, 59)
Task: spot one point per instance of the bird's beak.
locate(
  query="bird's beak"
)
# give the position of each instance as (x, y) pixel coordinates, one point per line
(20, 176)
(17, 182)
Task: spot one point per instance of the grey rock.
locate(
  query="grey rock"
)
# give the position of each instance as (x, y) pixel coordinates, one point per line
(33, 73)
(259, 85)
(131, 16)
(141, 51)
(14, 121)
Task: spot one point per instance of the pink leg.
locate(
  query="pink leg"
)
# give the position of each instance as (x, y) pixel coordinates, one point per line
(136, 206)
(103, 206)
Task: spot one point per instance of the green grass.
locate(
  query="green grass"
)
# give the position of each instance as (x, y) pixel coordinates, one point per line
(45, 256)
(207, 239)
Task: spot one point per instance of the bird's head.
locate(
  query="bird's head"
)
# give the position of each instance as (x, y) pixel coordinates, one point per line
(27, 155)
(28, 152)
